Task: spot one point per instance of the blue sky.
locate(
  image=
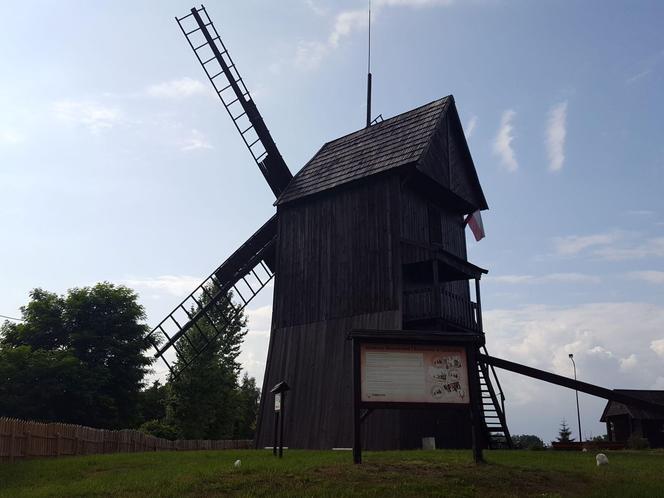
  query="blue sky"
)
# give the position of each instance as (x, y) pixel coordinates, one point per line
(116, 162)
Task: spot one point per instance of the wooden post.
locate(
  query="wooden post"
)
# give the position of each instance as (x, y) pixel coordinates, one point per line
(479, 304)
(281, 424)
(57, 444)
(357, 421)
(475, 404)
(276, 432)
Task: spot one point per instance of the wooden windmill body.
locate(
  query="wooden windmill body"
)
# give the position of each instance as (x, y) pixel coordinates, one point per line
(369, 235)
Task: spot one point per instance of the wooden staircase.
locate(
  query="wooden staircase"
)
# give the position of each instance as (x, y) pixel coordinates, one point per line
(493, 408)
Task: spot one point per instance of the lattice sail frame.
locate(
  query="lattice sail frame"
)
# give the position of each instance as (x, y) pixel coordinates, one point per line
(244, 274)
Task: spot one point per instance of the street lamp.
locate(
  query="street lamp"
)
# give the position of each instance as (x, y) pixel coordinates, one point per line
(578, 413)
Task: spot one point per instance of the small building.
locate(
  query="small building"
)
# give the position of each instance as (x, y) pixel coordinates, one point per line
(623, 422)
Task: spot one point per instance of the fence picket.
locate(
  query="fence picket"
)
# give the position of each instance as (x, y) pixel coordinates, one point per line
(21, 439)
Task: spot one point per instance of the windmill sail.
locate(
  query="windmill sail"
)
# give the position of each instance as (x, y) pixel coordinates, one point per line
(194, 321)
(220, 69)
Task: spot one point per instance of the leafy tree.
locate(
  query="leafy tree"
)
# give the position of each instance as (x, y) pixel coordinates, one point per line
(204, 396)
(75, 358)
(564, 433)
(152, 402)
(527, 442)
(248, 399)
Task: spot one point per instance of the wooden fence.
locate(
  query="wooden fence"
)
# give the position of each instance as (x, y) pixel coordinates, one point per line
(23, 439)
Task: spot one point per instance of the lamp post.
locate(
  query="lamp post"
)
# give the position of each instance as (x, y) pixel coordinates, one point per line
(578, 413)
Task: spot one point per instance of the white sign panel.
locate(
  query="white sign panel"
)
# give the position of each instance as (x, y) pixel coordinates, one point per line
(414, 374)
(277, 402)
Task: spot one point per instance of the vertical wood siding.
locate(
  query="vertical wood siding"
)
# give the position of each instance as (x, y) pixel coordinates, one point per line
(21, 439)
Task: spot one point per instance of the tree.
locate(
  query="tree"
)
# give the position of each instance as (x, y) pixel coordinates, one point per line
(76, 357)
(564, 433)
(152, 402)
(527, 442)
(204, 397)
(248, 399)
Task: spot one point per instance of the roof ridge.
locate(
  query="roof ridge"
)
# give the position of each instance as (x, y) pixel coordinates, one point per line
(391, 118)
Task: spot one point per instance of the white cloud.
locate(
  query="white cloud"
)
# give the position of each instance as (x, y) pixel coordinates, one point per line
(195, 141)
(309, 54)
(574, 244)
(92, 115)
(658, 347)
(643, 248)
(615, 245)
(572, 278)
(628, 363)
(555, 136)
(414, 3)
(178, 89)
(347, 22)
(502, 145)
(638, 76)
(175, 285)
(316, 7)
(254, 349)
(610, 347)
(650, 276)
(11, 137)
(470, 127)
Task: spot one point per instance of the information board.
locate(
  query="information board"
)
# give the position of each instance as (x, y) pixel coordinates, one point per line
(413, 374)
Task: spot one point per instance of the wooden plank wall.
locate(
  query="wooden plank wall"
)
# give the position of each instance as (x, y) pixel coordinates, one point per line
(336, 254)
(316, 361)
(21, 439)
(448, 160)
(461, 166)
(415, 223)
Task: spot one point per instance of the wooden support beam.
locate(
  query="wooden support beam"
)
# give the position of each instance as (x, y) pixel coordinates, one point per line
(584, 387)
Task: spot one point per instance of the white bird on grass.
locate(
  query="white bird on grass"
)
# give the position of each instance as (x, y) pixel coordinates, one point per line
(239, 462)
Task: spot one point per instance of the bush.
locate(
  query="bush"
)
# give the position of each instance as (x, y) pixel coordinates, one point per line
(158, 428)
(527, 442)
(637, 443)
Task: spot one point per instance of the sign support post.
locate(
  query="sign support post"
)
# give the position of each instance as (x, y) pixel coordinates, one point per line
(279, 392)
(396, 369)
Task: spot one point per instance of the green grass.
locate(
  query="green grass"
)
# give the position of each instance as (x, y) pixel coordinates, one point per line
(327, 473)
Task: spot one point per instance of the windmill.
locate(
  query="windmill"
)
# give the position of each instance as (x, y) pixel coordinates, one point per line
(369, 233)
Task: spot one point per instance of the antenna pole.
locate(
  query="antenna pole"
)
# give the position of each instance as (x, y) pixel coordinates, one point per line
(369, 73)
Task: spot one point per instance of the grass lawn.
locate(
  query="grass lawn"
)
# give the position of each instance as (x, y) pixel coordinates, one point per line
(326, 473)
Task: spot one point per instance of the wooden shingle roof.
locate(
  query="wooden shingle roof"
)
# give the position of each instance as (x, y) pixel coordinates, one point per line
(614, 408)
(392, 143)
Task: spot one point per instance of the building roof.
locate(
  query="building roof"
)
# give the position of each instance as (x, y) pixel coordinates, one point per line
(395, 142)
(614, 408)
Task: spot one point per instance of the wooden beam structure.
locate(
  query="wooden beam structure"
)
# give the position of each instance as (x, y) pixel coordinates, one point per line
(559, 380)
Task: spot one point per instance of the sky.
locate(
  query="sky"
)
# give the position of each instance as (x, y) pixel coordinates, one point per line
(117, 163)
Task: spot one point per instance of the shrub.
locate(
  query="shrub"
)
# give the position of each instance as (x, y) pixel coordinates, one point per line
(637, 443)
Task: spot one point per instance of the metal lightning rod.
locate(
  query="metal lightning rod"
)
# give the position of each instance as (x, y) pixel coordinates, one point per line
(369, 73)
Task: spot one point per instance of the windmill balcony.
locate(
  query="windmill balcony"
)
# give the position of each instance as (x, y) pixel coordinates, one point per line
(431, 303)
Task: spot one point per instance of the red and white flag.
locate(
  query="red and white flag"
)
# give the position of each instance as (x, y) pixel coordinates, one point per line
(474, 221)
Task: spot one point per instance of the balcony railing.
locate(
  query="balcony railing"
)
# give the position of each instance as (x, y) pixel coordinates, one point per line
(434, 302)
